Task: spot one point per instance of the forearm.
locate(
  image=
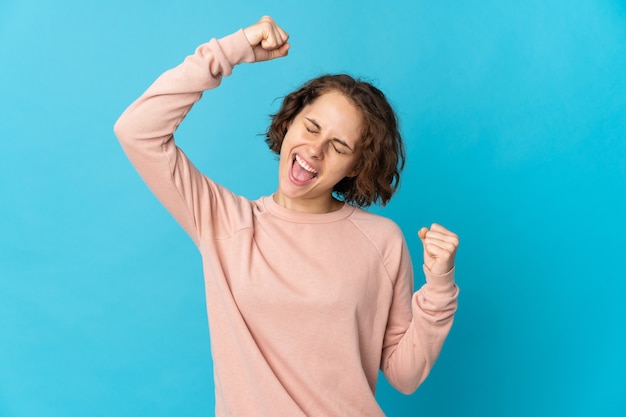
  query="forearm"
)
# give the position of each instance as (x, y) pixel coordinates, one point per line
(152, 119)
(409, 362)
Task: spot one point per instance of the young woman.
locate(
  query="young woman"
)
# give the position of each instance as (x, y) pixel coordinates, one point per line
(308, 295)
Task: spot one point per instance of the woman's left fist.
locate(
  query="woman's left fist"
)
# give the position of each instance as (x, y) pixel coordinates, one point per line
(440, 247)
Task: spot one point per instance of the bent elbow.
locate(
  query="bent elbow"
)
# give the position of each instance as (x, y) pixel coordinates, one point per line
(408, 386)
(406, 380)
(121, 130)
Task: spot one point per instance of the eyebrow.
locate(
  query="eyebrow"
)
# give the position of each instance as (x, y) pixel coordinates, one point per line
(317, 125)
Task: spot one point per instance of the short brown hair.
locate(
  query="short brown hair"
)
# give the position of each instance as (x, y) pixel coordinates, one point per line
(381, 150)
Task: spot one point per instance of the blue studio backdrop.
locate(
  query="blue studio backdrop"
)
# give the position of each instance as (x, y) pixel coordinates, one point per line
(514, 114)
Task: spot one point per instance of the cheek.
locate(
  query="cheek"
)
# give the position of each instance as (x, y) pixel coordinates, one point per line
(280, 149)
(286, 139)
(355, 167)
(281, 133)
(352, 170)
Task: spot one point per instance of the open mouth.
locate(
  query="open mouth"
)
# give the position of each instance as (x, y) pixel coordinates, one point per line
(301, 171)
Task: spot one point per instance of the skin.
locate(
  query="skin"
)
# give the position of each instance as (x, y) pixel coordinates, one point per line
(324, 137)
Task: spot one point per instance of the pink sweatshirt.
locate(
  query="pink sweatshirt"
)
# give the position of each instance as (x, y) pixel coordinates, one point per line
(304, 309)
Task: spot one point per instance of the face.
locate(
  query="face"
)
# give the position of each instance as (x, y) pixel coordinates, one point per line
(318, 151)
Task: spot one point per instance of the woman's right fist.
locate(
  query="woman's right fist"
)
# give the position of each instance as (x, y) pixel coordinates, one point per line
(267, 39)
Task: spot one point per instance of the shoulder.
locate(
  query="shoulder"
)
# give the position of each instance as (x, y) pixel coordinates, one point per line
(221, 212)
(374, 222)
(382, 231)
(387, 238)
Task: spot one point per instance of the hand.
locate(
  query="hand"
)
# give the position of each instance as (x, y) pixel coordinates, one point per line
(267, 39)
(440, 246)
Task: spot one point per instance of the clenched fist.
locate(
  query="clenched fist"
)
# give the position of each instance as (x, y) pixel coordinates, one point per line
(440, 247)
(267, 39)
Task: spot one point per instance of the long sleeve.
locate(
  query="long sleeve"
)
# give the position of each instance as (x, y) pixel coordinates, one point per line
(303, 308)
(146, 130)
(410, 352)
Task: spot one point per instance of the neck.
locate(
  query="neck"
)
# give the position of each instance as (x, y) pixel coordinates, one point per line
(315, 206)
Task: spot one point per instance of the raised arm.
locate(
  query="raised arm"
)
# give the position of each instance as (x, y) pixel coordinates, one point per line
(419, 323)
(146, 128)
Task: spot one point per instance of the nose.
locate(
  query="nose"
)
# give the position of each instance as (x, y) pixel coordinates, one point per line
(317, 148)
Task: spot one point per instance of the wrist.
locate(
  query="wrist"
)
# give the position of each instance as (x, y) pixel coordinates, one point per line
(236, 48)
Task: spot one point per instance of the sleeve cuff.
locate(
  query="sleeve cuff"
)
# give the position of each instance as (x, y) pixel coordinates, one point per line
(236, 48)
(440, 284)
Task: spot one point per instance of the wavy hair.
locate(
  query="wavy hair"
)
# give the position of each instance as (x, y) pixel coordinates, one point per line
(380, 150)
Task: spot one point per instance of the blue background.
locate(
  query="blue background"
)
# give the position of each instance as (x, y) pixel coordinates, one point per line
(514, 113)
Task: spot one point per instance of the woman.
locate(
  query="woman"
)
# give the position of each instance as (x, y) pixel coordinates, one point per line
(307, 294)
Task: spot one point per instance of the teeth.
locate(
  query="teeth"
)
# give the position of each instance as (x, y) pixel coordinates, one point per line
(306, 166)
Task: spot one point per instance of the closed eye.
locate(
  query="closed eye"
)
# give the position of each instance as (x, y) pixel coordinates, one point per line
(337, 148)
(312, 126)
(338, 145)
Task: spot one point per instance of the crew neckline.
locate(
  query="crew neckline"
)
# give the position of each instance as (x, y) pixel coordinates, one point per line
(303, 217)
